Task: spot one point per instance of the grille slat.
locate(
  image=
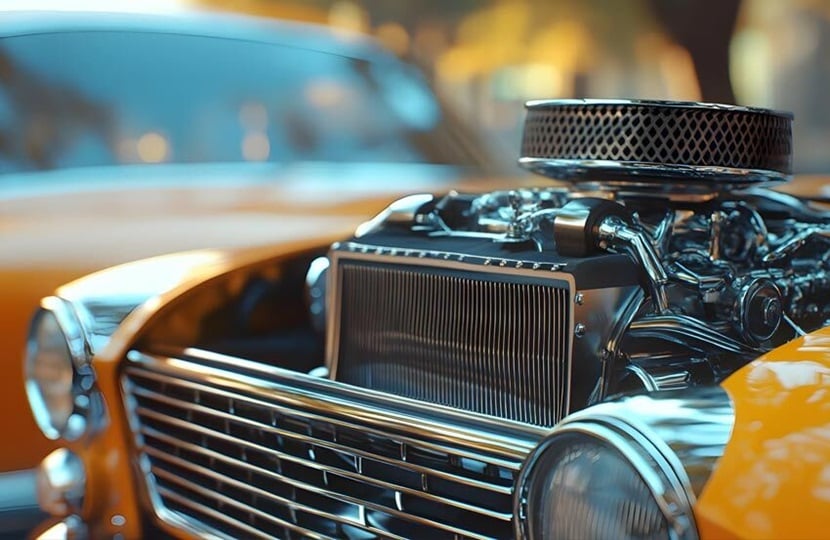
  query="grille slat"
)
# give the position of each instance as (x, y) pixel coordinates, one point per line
(204, 472)
(147, 412)
(222, 456)
(208, 512)
(143, 412)
(138, 391)
(171, 480)
(230, 482)
(455, 337)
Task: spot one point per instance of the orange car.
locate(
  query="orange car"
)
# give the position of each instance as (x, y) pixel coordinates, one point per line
(157, 134)
(639, 354)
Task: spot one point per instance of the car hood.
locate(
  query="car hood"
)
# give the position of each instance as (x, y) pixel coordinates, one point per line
(87, 219)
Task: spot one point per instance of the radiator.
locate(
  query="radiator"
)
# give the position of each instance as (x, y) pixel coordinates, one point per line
(490, 340)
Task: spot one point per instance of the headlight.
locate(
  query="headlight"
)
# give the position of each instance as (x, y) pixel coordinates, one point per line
(59, 378)
(595, 481)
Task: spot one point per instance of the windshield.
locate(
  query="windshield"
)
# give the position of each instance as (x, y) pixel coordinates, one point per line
(79, 99)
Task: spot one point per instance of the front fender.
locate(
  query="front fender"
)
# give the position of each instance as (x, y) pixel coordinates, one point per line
(116, 307)
(773, 480)
(103, 300)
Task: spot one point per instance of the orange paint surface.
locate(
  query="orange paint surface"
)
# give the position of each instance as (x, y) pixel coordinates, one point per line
(112, 489)
(773, 480)
(46, 242)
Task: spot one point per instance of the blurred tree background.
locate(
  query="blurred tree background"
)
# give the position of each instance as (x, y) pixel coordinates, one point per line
(487, 57)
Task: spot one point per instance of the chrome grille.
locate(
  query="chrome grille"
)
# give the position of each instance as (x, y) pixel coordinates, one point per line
(493, 343)
(244, 450)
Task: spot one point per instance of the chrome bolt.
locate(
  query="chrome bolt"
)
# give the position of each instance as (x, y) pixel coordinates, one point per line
(771, 311)
(579, 330)
(579, 298)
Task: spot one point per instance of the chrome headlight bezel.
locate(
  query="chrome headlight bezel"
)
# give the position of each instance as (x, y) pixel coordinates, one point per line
(654, 462)
(83, 397)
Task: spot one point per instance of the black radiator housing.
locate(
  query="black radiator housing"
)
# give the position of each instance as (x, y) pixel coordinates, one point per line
(469, 323)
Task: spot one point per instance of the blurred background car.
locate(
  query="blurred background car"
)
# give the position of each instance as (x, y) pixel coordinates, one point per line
(123, 137)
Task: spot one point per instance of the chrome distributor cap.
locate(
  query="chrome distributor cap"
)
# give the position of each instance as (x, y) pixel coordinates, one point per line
(656, 147)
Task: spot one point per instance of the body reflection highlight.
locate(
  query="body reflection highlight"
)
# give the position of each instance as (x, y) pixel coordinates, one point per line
(773, 480)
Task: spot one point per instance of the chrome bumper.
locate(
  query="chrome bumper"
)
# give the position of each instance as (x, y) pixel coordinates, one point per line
(19, 510)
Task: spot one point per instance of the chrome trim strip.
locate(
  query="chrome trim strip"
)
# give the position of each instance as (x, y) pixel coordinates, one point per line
(539, 268)
(515, 269)
(305, 439)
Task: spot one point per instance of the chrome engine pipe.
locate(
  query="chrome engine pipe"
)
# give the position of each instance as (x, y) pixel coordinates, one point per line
(615, 235)
(796, 241)
(685, 329)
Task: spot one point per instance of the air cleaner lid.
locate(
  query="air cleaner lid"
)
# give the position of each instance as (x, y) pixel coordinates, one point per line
(664, 145)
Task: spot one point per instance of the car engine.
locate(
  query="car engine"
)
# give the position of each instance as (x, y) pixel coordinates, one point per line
(659, 260)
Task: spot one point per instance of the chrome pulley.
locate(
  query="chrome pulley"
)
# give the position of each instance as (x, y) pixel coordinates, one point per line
(661, 148)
